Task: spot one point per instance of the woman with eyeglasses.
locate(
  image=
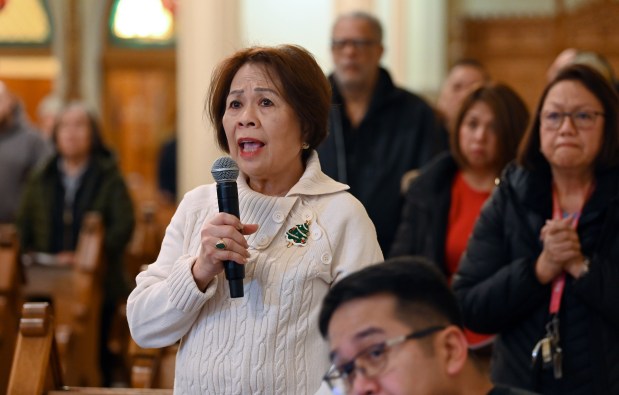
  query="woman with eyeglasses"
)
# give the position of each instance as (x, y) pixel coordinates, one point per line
(542, 266)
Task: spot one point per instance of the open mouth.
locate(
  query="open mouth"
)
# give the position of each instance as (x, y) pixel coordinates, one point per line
(250, 145)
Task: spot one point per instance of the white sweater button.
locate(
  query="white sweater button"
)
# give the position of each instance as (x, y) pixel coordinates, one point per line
(316, 233)
(262, 240)
(278, 217)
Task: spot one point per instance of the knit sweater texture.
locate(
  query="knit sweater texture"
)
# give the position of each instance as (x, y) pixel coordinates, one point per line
(268, 341)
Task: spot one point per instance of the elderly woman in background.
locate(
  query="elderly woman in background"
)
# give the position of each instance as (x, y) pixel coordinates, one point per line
(269, 106)
(83, 176)
(542, 266)
(444, 201)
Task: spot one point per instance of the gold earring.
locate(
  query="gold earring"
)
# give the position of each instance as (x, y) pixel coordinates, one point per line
(305, 146)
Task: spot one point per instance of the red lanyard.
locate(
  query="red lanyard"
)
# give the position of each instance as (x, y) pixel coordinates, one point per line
(558, 284)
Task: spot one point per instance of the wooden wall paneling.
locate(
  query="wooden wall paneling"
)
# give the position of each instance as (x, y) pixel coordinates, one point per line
(594, 28)
(30, 91)
(518, 51)
(139, 112)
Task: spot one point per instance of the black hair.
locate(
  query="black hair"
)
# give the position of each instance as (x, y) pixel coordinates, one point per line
(421, 292)
(529, 151)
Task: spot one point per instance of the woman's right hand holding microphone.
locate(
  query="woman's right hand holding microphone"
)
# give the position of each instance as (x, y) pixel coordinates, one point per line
(222, 239)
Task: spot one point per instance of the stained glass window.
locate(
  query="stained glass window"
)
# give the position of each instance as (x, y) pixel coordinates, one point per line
(142, 22)
(25, 23)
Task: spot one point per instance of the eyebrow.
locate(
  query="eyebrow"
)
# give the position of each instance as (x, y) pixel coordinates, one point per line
(359, 336)
(241, 91)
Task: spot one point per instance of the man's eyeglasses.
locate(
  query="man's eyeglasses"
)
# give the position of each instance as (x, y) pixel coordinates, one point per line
(360, 44)
(583, 120)
(370, 362)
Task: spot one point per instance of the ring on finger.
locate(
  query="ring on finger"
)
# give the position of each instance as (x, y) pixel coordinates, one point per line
(220, 245)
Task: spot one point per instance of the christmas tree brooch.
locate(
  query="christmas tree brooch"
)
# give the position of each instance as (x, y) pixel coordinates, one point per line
(298, 234)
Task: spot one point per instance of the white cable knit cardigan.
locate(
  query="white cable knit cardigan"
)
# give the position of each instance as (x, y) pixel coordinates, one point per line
(268, 341)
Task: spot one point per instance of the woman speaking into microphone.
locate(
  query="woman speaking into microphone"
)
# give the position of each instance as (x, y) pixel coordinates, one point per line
(299, 231)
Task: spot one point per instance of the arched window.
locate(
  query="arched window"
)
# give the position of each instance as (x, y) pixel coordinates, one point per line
(142, 23)
(25, 23)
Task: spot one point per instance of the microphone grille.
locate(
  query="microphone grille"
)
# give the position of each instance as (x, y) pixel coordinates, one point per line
(225, 169)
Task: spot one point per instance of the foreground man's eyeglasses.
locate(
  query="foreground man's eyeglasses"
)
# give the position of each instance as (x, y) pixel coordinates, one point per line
(369, 362)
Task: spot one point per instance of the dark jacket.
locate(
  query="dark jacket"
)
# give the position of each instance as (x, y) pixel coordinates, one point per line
(498, 290)
(102, 190)
(398, 133)
(423, 226)
(500, 390)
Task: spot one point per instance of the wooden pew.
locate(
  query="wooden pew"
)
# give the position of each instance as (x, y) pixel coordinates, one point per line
(147, 368)
(152, 367)
(141, 251)
(76, 292)
(36, 368)
(152, 218)
(11, 279)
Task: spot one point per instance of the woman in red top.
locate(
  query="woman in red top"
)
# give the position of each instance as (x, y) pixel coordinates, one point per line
(443, 202)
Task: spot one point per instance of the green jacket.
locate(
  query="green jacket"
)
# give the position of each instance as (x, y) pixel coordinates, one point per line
(102, 190)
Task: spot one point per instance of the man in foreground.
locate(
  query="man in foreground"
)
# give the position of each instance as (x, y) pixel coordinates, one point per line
(396, 328)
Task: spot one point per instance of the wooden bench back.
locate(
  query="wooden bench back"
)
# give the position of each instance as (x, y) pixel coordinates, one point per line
(152, 367)
(11, 280)
(76, 293)
(36, 368)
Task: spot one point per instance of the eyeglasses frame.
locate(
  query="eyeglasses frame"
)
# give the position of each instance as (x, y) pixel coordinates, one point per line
(565, 114)
(335, 373)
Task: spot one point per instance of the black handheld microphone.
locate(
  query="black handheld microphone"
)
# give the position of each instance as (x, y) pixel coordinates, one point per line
(225, 171)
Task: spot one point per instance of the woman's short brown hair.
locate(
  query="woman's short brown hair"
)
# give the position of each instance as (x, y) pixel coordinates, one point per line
(529, 152)
(302, 83)
(511, 118)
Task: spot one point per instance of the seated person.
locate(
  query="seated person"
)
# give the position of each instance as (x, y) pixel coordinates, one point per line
(396, 328)
(82, 176)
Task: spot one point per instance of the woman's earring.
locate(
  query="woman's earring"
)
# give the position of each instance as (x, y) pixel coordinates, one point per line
(305, 145)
